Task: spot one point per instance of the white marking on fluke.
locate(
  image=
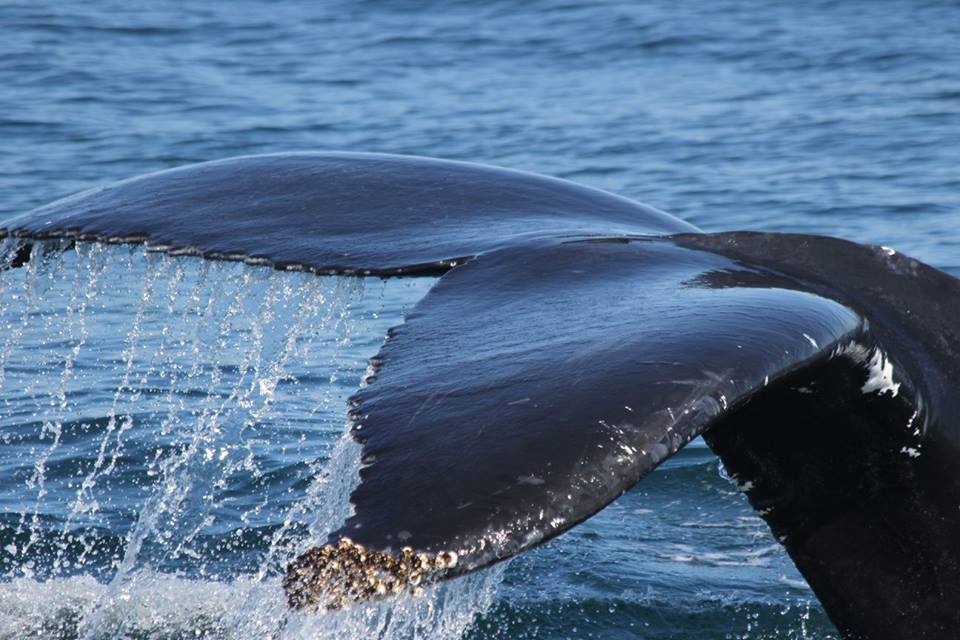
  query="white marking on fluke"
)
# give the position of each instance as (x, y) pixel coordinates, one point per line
(881, 375)
(879, 368)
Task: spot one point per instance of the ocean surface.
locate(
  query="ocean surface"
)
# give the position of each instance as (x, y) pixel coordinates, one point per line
(171, 430)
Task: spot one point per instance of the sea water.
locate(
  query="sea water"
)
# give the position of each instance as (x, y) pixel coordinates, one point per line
(126, 376)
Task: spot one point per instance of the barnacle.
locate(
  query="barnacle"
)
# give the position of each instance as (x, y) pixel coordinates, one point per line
(332, 576)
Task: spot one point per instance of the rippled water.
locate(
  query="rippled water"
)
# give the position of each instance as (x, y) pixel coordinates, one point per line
(821, 117)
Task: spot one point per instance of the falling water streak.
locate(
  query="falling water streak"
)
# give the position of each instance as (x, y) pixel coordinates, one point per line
(239, 396)
(45, 263)
(221, 346)
(263, 317)
(90, 265)
(172, 294)
(340, 463)
(206, 425)
(16, 333)
(299, 337)
(342, 330)
(343, 464)
(58, 400)
(174, 486)
(196, 296)
(205, 361)
(339, 320)
(268, 371)
(264, 611)
(50, 266)
(82, 291)
(166, 352)
(354, 296)
(212, 425)
(327, 497)
(133, 338)
(173, 270)
(266, 385)
(81, 505)
(9, 247)
(178, 480)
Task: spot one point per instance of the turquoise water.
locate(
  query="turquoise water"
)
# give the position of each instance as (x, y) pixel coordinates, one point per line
(152, 483)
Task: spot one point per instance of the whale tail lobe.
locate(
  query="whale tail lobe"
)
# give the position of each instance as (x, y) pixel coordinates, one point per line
(574, 342)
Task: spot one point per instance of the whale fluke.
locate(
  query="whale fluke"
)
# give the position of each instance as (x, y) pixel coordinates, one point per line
(535, 384)
(364, 213)
(575, 341)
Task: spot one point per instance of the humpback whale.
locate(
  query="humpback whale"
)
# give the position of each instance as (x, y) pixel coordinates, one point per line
(574, 341)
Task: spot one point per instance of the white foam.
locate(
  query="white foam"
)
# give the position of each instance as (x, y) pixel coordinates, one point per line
(161, 606)
(81, 607)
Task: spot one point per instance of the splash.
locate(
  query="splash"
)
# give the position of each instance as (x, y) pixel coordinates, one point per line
(174, 436)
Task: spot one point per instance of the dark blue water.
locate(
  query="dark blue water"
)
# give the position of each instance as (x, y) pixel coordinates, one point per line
(118, 515)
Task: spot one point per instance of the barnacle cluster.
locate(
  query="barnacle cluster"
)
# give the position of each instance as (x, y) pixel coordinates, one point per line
(332, 576)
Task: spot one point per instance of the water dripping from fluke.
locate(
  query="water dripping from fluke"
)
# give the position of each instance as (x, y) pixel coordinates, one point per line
(174, 437)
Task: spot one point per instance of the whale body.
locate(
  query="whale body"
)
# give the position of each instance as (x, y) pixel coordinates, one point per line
(576, 340)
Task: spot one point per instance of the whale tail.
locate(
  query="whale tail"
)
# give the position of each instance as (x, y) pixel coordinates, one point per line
(532, 386)
(552, 367)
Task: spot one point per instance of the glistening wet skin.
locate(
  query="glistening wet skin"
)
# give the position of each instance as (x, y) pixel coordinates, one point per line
(481, 436)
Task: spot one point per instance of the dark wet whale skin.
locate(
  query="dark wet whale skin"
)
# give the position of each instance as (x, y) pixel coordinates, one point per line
(587, 338)
(342, 212)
